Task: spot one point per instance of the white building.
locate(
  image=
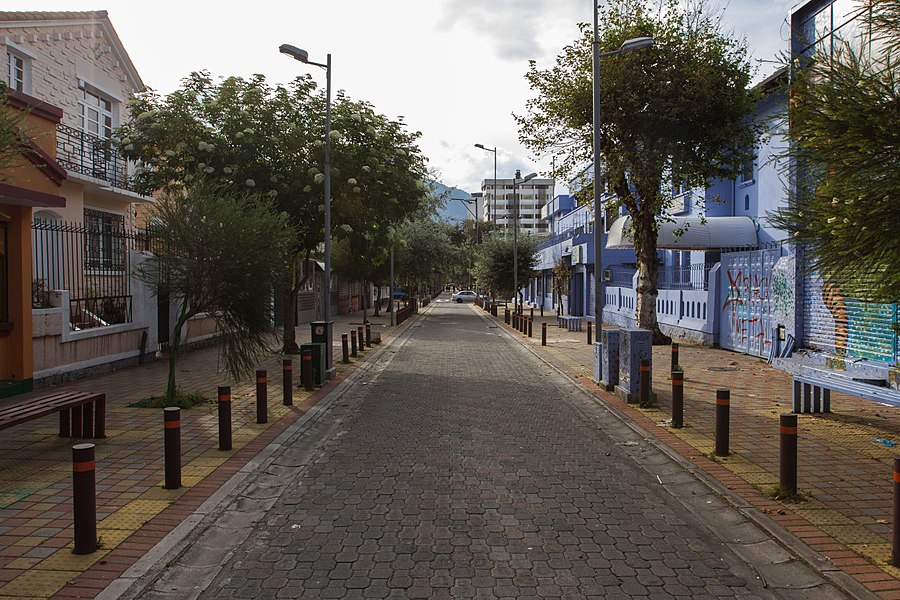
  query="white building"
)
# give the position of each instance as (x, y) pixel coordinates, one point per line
(499, 206)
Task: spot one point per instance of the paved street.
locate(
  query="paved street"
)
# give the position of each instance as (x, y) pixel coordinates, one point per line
(458, 465)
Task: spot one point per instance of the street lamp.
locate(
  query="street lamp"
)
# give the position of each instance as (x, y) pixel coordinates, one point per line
(326, 326)
(517, 180)
(629, 45)
(494, 150)
(466, 202)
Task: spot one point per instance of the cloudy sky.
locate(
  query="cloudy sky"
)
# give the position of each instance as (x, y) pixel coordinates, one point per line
(454, 68)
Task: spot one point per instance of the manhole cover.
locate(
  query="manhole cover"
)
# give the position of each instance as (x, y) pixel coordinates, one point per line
(723, 369)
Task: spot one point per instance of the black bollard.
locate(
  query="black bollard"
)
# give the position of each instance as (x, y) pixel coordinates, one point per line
(674, 355)
(84, 498)
(172, 444)
(723, 410)
(287, 381)
(360, 339)
(542, 309)
(543, 334)
(506, 315)
(788, 466)
(677, 399)
(262, 396)
(368, 335)
(531, 316)
(895, 553)
(306, 372)
(224, 417)
(590, 333)
(353, 343)
(644, 383)
(530, 326)
(345, 348)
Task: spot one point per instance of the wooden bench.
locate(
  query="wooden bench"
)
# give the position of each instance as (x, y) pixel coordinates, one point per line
(81, 414)
(570, 323)
(812, 392)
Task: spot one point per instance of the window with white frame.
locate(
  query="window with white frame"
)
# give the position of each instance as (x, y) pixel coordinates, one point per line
(17, 71)
(96, 114)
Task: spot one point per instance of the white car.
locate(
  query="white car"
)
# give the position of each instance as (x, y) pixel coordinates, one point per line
(463, 296)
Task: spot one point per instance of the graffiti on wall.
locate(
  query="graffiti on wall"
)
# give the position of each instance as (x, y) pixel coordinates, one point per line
(784, 282)
(750, 290)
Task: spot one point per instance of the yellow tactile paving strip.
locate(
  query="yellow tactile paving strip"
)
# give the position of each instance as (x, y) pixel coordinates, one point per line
(35, 465)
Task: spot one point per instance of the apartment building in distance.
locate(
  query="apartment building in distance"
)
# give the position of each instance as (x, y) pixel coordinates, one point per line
(499, 207)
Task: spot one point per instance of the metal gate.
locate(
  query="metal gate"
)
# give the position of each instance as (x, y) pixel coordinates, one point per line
(747, 300)
(842, 326)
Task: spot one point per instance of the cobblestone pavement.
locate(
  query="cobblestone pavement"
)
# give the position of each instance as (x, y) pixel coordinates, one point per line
(458, 465)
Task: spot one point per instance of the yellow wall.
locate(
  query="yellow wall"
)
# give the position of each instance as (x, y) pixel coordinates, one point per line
(15, 349)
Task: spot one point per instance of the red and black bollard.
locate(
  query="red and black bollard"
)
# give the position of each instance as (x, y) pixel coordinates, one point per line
(723, 415)
(674, 355)
(543, 334)
(345, 348)
(224, 417)
(788, 466)
(677, 399)
(172, 444)
(368, 335)
(895, 551)
(353, 343)
(542, 309)
(287, 381)
(262, 396)
(84, 498)
(644, 383)
(506, 315)
(306, 373)
(531, 316)
(530, 326)
(590, 333)
(360, 339)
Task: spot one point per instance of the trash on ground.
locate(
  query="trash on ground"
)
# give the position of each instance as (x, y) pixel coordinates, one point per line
(887, 443)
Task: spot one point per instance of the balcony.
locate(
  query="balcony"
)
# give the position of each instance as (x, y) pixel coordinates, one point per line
(87, 154)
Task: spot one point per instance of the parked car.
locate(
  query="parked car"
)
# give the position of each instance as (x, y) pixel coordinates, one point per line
(463, 296)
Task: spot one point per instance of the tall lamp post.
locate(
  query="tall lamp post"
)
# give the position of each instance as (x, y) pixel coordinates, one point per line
(494, 209)
(628, 46)
(322, 331)
(466, 202)
(517, 181)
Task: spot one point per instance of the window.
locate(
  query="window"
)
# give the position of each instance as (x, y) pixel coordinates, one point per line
(747, 170)
(104, 247)
(747, 202)
(96, 113)
(17, 71)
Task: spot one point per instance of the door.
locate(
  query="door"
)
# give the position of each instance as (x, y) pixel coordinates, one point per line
(747, 301)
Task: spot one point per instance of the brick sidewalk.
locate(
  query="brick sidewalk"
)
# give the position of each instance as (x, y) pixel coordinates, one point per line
(134, 511)
(846, 477)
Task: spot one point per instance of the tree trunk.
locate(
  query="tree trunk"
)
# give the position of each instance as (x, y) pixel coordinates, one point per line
(289, 335)
(175, 348)
(645, 237)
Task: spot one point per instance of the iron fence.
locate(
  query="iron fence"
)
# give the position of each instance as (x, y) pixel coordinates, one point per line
(91, 155)
(91, 261)
(691, 277)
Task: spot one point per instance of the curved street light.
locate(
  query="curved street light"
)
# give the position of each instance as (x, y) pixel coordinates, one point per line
(517, 181)
(494, 150)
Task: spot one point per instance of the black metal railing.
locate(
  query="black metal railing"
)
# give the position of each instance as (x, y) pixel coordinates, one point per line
(91, 155)
(692, 277)
(92, 263)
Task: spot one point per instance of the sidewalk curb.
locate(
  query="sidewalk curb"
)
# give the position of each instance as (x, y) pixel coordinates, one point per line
(843, 581)
(136, 579)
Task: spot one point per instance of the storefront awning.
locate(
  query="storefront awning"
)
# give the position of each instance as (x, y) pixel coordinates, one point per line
(690, 233)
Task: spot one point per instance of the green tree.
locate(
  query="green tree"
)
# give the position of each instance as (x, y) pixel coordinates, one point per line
(217, 251)
(843, 157)
(494, 261)
(675, 110)
(425, 254)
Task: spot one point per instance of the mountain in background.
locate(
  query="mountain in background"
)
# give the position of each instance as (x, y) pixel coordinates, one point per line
(453, 210)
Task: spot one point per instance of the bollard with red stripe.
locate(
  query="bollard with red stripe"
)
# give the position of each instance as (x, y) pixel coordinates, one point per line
(788, 466)
(543, 334)
(287, 381)
(674, 355)
(172, 444)
(345, 349)
(723, 416)
(677, 399)
(360, 339)
(353, 343)
(644, 383)
(306, 374)
(84, 498)
(262, 396)
(895, 551)
(506, 315)
(590, 333)
(224, 417)
(530, 326)
(368, 335)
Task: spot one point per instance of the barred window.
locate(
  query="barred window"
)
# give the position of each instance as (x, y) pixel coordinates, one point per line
(104, 247)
